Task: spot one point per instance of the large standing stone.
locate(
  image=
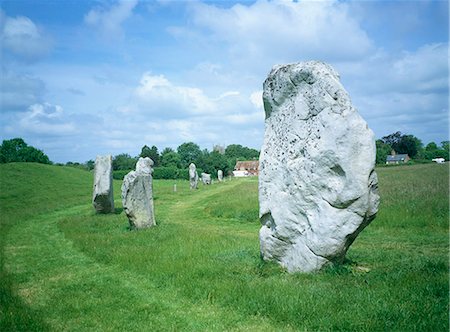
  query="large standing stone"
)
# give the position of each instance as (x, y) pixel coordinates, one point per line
(206, 178)
(317, 184)
(103, 193)
(220, 175)
(137, 195)
(193, 176)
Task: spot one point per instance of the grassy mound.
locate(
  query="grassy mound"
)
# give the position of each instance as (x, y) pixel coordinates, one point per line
(68, 269)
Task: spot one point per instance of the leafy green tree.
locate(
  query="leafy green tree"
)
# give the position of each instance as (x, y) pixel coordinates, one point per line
(446, 149)
(166, 150)
(432, 151)
(392, 139)
(170, 159)
(239, 151)
(383, 150)
(152, 153)
(145, 152)
(124, 161)
(202, 161)
(188, 152)
(236, 152)
(408, 144)
(211, 162)
(16, 150)
(90, 164)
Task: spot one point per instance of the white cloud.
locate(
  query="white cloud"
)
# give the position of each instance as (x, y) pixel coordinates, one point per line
(423, 70)
(21, 37)
(228, 94)
(18, 91)
(283, 30)
(46, 120)
(257, 99)
(404, 92)
(159, 96)
(109, 20)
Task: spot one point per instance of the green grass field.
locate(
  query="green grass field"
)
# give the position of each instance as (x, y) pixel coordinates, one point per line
(65, 268)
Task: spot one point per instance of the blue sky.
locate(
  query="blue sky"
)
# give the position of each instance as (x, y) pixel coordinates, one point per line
(81, 78)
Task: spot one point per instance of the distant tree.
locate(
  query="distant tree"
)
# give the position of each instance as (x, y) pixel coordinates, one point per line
(446, 149)
(152, 153)
(166, 150)
(383, 150)
(236, 152)
(202, 161)
(145, 152)
(392, 139)
(90, 165)
(16, 150)
(170, 159)
(123, 161)
(408, 144)
(239, 151)
(432, 151)
(211, 162)
(188, 152)
(219, 161)
(431, 147)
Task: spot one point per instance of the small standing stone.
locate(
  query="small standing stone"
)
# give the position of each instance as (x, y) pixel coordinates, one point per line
(193, 176)
(137, 195)
(220, 175)
(206, 178)
(103, 196)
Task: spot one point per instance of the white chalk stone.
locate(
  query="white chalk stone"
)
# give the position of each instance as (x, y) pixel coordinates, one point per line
(103, 193)
(206, 178)
(220, 175)
(317, 184)
(193, 176)
(137, 195)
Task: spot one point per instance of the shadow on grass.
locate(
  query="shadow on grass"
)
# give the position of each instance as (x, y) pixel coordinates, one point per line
(118, 210)
(15, 315)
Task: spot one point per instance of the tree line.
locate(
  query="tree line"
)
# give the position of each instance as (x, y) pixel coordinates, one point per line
(410, 145)
(173, 163)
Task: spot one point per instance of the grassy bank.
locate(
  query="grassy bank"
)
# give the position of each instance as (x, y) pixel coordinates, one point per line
(66, 268)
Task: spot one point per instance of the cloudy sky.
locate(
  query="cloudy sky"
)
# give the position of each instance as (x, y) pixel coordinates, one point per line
(81, 78)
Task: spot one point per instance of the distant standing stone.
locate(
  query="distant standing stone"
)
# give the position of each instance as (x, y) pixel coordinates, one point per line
(193, 176)
(137, 195)
(317, 185)
(103, 196)
(220, 175)
(206, 178)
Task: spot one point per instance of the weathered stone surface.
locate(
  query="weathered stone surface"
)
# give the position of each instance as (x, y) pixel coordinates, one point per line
(220, 175)
(206, 178)
(193, 176)
(317, 184)
(103, 193)
(137, 195)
